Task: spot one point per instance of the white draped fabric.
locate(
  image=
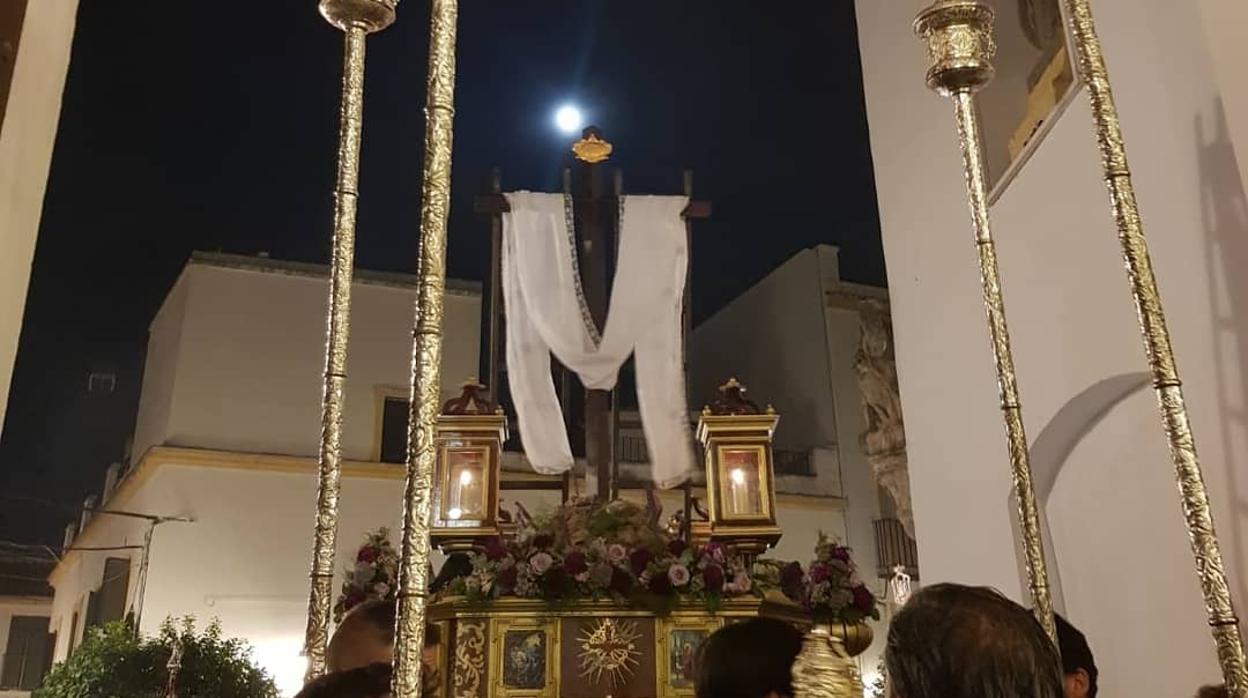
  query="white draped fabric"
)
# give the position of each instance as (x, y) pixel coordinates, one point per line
(546, 313)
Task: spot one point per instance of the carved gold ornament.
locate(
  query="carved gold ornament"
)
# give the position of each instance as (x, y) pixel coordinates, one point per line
(591, 149)
(609, 649)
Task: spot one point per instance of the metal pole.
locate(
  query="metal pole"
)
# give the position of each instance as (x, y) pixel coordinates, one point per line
(1195, 500)
(426, 350)
(959, 37)
(356, 18)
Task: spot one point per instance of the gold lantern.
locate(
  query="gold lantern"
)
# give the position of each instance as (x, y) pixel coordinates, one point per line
(470, 435)
(740, 482)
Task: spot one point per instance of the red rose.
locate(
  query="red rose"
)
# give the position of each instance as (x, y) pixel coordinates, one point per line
(506, 580)
(495, 549)
(367, 554)
(863, 599)
(638, 560)
(840, 553)
(621, 583)
(818, 573)
(713, 577)
(574, 563)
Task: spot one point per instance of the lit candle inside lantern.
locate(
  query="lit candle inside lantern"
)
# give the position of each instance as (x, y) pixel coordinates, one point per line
(456, 510)
(738, 491)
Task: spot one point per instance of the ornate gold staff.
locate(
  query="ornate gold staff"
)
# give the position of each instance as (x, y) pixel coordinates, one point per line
(426, 349)
(960, 45)
(357, 19)
(1217, 595)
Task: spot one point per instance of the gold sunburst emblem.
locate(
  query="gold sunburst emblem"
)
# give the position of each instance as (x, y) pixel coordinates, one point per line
(591, 149)
(609, 649)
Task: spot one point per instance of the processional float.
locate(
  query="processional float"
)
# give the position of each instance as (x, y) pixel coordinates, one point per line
(960, 43)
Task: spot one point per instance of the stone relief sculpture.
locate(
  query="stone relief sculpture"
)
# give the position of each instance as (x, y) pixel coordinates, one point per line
(884, 440)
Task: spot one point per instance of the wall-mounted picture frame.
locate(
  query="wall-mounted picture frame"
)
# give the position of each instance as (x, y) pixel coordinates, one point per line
(1036, 80)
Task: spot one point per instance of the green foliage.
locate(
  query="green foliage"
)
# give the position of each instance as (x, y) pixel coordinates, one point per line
(113, 663)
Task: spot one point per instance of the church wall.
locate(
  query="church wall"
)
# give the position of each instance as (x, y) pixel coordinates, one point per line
(30, 117)
(1119, 544)
(252, 355)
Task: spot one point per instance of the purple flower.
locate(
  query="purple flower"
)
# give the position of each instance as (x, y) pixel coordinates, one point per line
(541, 562)
(713, 577)
(818, 573)
(715, 551)
(367, 554)
(661, 584)
(840, 553)
(574, 564)
(621, 582)
(678, 575)
(638, 560)
(506, 580)
(863, 600)
(495, 549)
(676, 547)
(616, 552)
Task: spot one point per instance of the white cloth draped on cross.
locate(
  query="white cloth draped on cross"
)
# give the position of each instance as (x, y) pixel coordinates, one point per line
(546, 313)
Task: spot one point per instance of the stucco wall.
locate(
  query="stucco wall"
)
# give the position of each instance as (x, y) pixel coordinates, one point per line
(236, 357)
(1125, 568)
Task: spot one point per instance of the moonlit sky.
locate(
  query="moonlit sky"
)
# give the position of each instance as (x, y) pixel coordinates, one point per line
(186, 128)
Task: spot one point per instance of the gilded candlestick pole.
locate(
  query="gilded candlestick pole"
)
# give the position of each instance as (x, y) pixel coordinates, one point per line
(1152, 319)
(356, 18)
(426, 350)
(959, 39)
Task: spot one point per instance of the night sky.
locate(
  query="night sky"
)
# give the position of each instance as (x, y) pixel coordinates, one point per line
(200, 126)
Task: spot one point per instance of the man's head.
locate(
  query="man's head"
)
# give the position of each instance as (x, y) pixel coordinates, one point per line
(954, 641)
(365, 636)
(1077, 662)
(372, 681)
(752, 659)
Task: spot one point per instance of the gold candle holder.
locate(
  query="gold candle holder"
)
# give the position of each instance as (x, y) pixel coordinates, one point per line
(357, 19)
(1161, 361)
(426, 350)
(959, 41)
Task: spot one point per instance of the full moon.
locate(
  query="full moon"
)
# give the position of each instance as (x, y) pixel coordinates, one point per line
(568, 119)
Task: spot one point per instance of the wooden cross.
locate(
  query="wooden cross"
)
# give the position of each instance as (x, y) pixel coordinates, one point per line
(595, 216)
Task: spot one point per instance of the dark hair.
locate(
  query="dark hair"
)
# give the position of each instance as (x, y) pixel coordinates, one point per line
(954, 641)
(380, 615)
(1218, 691)
(1076, 654)
(372, 681)
(748, 660)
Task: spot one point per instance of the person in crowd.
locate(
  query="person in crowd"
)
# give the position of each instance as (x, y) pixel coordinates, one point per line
(751, 659)
(1077, 662)
(365, 636)
(370, 681)
(1218, 691)
(955, 641)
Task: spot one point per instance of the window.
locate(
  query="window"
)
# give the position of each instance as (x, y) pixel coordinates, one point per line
(104, 383)
(393, 430)
(28, 654)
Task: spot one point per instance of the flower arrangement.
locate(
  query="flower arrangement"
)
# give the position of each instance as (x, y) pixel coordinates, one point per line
(614, 551)
(373, 574)
(829, 588)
